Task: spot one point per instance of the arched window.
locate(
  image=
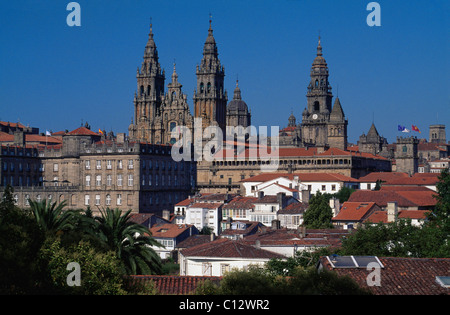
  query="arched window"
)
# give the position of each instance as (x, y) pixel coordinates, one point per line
(142, 90)
(316, 106)
(208, 87)
(317, 83)
(148, 89)
(173, 95)
(201, 87)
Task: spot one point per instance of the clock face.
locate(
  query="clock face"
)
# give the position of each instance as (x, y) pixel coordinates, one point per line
(314, 116)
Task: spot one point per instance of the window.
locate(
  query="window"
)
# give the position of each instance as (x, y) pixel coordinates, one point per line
(99, 165)
(119, 164)
(98, 180)
(88, 180)
(206, 269)
(97, 200)
(143, 180)
(119, 199)
(130, 179)
(55, 167)
(333, 187)
(108, 180)
(224, 268)
(108, 200)
(150, 179)
(86, 200)
(108, 164)
(130, 164)
(119, 180)
(88, 165)
(323, 187)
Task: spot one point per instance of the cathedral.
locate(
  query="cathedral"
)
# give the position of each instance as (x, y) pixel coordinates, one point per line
(323, 124)
(157, 113)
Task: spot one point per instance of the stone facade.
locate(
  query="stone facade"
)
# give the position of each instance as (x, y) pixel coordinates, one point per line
(90, 170)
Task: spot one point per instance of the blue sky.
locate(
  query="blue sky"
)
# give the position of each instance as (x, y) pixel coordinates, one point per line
(53, 76)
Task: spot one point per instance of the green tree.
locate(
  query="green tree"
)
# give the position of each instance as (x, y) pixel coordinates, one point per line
(130, 241)
(50, 217)
(257, 280)
(100, 272)
(319, 214)
(344, 194)
(20, 240)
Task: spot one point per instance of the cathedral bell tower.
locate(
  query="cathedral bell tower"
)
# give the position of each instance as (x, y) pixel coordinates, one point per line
(210, 98)
(150, 90)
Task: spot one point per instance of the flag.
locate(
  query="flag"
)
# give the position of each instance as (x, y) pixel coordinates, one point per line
(101, 132)
(47, 133)
(401, 128)
(406, 130)
(414, 128)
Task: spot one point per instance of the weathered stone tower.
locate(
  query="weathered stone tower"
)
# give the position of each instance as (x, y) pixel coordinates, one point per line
(150, 90)
(322, 124)
(406, 155)
(210, 98)
(437, 134)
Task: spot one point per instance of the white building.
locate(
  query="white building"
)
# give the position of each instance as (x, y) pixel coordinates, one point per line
(296, 184)
(220, 256)
(203, 214)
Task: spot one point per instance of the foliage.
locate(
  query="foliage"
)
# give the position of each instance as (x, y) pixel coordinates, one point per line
(20, 240)
(302, 259)
(319, 214)
(344, 194)
(130, 241)
(258, 280)
(100, 272)
(50, 217)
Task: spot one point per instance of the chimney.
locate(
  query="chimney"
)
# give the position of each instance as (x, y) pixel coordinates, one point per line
(305, 195)
(334, 205)
(281, 200)
(258, 244)
(260, 194)
(19, 138)
(392, 211)
(276, 224)
(212, 237)
(166, 215)
(120, 138)
(302, 231)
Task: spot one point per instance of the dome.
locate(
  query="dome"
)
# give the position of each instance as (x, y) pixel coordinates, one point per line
(237, 104)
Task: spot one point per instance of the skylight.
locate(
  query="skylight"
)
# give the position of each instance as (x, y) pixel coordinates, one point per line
(353, 261)
(444, 281)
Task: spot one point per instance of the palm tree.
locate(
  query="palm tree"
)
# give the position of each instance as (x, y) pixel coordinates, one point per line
(131, 242)
(51, 218)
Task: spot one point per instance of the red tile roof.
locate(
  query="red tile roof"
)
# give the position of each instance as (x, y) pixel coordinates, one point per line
(294, 208)
(206, 205)
(169, 230)
(355, 211)
(303, 177)
(383, 176)
(241, 202)
(401, 276)
(83, 131)
(381, 198)
(416, 180)
(168, 285)
(225, 248)
(381, 216)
